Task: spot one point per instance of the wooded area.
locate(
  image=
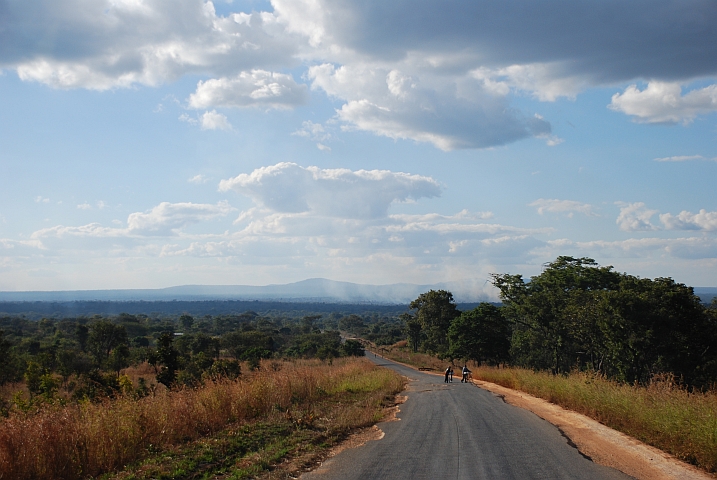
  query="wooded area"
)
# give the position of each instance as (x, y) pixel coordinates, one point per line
(577, 315)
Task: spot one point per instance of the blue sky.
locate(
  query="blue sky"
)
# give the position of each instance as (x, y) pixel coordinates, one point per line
(145, 144)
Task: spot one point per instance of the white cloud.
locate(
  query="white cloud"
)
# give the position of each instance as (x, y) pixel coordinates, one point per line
(680, 248)
(41, 199)
(313, 131)
(108, 44)
(258, 88)
(449, 112)
(704, 220)
(167, 218)
(680, 158)
(323, 148)
(288, 187)
(84, 206)
(186, 118)
(214, 121)
(198, 179)
(663, 102)
(635, 216)
(569, 207)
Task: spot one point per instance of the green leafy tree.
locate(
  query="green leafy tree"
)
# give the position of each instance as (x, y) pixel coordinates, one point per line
(482, 334)
(435, 310)
(167, 359)
(103, 337)
(413, 330)
(8, 365)
(186, 321)
(544, 323)
(352, 324)
(352, 348)
(82, 333)
(237, 343)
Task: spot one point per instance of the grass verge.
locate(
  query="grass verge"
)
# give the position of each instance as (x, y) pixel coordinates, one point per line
(222, 430)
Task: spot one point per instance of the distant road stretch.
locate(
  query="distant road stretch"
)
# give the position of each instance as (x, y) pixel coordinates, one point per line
(459, 431)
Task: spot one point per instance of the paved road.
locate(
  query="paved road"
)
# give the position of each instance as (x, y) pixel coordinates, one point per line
(459, 431)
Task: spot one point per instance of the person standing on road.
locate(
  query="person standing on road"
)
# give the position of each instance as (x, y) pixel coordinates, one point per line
(448, 372)
(465, 374)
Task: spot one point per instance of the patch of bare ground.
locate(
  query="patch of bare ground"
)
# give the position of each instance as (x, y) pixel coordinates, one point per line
(603, 445)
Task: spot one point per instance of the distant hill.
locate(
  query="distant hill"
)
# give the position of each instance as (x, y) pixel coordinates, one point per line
(311, 290)
(706, 294)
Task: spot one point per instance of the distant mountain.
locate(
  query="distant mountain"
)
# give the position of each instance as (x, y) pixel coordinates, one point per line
(706, 294)
(315, 290)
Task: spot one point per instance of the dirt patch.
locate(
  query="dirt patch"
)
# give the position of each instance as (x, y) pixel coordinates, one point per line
(601, 444)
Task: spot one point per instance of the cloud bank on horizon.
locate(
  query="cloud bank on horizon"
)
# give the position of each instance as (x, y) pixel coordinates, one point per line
(314, 92)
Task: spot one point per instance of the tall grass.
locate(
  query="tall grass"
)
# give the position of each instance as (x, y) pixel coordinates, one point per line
(90, 439)
(662, 414)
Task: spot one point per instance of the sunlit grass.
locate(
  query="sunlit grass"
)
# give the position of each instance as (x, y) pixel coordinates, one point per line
(89, 439)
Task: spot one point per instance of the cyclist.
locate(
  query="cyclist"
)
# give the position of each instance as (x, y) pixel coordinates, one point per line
(465, 374)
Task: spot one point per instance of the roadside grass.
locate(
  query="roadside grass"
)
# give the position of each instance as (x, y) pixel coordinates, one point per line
(223, 428)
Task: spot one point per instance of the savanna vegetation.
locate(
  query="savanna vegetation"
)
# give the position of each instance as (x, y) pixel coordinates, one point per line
(83, 397)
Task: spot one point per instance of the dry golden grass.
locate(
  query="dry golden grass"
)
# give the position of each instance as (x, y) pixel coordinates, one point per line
(662, 414)
(91, 439)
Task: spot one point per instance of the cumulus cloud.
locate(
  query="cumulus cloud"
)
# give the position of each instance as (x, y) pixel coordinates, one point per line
(692, 248)
(258, 88)
(588, 43)
(444, 74)
(214, 121)
(663, 102)
(635, 216)
(108, 44)
(568, 207)
(165, 219)
(704, 220)
(290, 188)
(438, 111)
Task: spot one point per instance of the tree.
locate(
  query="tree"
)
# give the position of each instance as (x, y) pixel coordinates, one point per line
(167, 359)
(413, 330)
(352, 324)
(482, 335)
(237, 343)
(7, 361)
(435, 310)
(544, 323)
(103, 337)
(352, 348)
(186, 321)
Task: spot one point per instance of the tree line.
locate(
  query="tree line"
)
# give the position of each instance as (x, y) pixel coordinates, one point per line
(576, 315)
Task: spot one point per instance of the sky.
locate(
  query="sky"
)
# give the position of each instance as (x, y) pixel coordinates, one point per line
(148, 144)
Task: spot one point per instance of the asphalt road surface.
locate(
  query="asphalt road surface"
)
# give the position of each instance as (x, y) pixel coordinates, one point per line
(459, 431)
